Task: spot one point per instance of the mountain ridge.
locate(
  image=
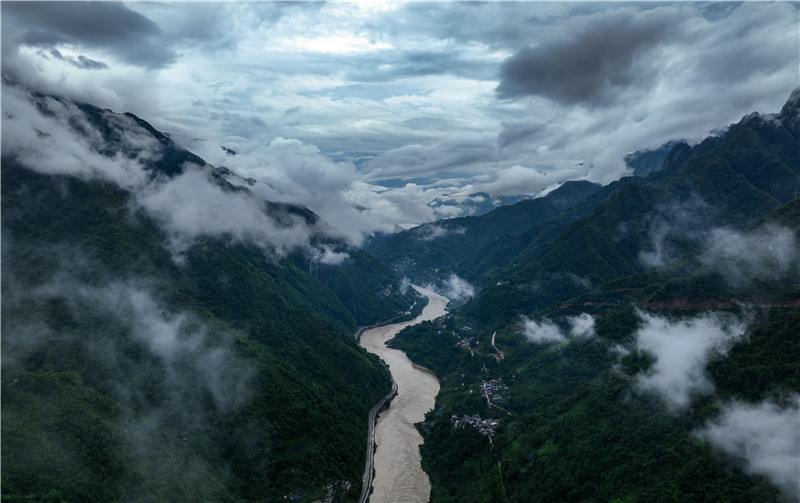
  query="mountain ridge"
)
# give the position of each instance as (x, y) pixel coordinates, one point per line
(163, 335)
(617, 348)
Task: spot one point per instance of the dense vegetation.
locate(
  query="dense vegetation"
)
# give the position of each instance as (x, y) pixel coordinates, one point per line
(227, 373)
(708, 241)
(572, 427)
(429, 252)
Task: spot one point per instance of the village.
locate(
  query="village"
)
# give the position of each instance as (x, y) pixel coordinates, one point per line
(484, 426)
(490, 390)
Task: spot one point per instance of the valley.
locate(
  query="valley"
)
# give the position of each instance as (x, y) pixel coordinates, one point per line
(400, 252)
(398, 472)
(630, 334)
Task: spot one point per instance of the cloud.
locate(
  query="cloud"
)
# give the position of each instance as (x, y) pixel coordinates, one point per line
(597, 59)
(169, 372)
(513, 132)
(53, 136)
(455, 288)
(766, 436)
(453, 152)
(192, 205)
(103, 26)
(415, 100)
(766, 253)
(681, 349)
(177, 339)
(328, 256)
(81, 61)
(431, 232)
(196, 357)
(542, 332)
(56, 137)
(289, 170)
(581, 325)
(520, 180)
(670, 227)
(547, 332)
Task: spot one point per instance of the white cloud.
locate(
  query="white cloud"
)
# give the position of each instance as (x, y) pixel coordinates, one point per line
(547, 332)
(455, 288)
(63, 142)
(542, 332)
(766, 436)
(682, 348)
(581, 325)
(768, 253)
(678, 221)
(431, 232)
(56, 137)
(416, 99)
(328, 256)
(193, 205)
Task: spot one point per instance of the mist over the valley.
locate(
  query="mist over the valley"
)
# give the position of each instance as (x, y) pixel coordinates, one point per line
(204, 206)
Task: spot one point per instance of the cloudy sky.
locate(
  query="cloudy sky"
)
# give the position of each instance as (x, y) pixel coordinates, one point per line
(368, 111)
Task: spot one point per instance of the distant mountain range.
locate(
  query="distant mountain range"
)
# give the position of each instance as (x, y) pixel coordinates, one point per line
(169, 333)
(581, 235)
(642, 337)
(433, 250)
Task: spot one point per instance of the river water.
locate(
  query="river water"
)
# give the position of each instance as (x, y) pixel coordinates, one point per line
(398, 471)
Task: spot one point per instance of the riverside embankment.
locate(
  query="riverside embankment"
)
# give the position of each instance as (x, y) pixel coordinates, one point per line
(398, 472)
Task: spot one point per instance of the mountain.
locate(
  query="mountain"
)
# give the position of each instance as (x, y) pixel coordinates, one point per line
(168, 334)
(644, 162)
(431, 251)
(638, 224)
(639, 346)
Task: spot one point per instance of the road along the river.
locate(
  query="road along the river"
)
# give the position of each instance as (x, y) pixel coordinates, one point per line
(397, 461)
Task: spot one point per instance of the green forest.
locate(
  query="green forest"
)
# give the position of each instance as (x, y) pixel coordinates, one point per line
(704, 249)
(633, 342)
(228, 373)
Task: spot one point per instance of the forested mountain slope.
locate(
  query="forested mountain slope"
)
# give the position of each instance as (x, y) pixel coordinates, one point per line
(167, 334)
(641, 346)
(431, 251)
(727, 182)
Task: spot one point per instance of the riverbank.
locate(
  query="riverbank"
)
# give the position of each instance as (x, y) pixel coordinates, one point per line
(397, 462)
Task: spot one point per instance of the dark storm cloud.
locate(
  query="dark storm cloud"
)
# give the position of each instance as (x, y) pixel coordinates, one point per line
(79, 62)
(591, 64)
(110, 27)
(514, 132)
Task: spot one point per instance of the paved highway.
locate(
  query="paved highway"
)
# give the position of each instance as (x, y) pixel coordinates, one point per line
(366, 481)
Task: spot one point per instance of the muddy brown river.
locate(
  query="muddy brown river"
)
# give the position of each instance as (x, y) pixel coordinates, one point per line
(398, 471)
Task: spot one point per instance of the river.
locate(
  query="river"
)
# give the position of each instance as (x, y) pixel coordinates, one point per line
(398, 471)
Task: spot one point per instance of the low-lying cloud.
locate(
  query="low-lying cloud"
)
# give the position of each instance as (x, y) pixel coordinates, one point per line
(456, 288)
(192, 205)
(56, 137)
(547, 332)
(766, 436)
(542, 332)
(671, 225)
(581, 325)
(169, 372)
(196, 358)
(434, 231)
(681, 349)
(766, 253)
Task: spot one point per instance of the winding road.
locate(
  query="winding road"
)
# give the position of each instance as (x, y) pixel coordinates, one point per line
(367, 479)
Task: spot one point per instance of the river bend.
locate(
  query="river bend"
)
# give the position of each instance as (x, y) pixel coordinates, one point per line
(398, 472)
